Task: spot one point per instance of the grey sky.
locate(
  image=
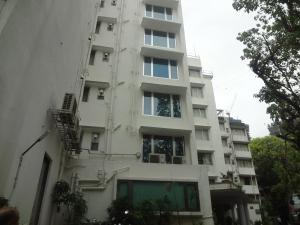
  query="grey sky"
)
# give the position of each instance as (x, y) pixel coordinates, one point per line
(211, 28)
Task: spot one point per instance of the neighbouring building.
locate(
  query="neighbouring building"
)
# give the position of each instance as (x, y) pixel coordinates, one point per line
(148, 123)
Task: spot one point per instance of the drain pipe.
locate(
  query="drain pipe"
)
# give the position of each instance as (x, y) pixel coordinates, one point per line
(39, 139)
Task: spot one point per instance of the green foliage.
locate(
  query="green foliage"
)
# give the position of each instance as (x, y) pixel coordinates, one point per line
(272, 49)
(74, 202)
(277, 166)
(147, 213)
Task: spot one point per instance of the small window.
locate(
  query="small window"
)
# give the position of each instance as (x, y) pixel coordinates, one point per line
(199, 112)
(105, 56)
(85, 95)
(98, 25)
(197, 92)
(102, 4)
(100, 95)
(114, 2)
(224, 142)
(149, 10)
(202, 134)
(92, 57)
(194, 73)
(110, 27)
(95, 141)
(227, 159)
(205, 158)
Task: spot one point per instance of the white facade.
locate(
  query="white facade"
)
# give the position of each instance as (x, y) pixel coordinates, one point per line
(147, 111)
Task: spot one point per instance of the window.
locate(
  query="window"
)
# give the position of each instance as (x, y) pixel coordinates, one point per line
(166, 145)
(182, 196)
(102, 4)
(100, 95)
(199, 112)
(241, 147)
(244, 163)
(85, 95)
(160, 38)
(98, 25)
(239, 132)
(202, 134)
(158, 104)
(105, 57)
(163, 68)
(92, 57)
(224, 142)
(159, 12)
(197, 92)
(110, 27)
(222, 126)
(95, 141)
(227, 159)
(114, 2)
(247, 180)
(194, 73)
(205, 158)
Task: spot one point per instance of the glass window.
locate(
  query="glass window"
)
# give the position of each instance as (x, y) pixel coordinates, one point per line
(95, 141)
(227, 159)
(197, 92)
(147, 66)
(159, 12)
(176, 106)
(244, 163)
(172, 42)
(199, 112)
(92, 57)
(160, 67)
(205, 158)
(182, 196)
(239, 132)
(160, 38)
(164, 145)
(146, 147)
(241, 147)
(85, 95)
(162, 105)
(173, 64)
(224, 142)
(179, 146)
(147, 103)
(202, 134)
(148, 37)
(148, 10)
(169, 13)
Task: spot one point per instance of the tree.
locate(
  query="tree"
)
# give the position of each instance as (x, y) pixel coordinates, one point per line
(272, 49)
(277, 166)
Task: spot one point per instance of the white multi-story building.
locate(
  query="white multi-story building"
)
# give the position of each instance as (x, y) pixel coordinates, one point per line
(147, 113)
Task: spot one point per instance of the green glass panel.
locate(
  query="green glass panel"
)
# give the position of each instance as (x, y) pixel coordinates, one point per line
(192, 195)
(122, 191)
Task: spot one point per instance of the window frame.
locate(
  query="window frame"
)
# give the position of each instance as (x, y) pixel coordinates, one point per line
(152, 37)
(208, 133)
(152, 105)
(201, 92)
(200, 114)
(95, 142)
(211, 157)
(169, 68)
(165, 12)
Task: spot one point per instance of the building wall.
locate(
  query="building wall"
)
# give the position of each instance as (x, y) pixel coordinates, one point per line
(43, 45)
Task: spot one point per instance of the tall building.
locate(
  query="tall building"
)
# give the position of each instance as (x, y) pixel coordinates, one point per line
(149, 127)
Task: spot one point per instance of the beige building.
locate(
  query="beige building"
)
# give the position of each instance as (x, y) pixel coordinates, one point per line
(147, 114)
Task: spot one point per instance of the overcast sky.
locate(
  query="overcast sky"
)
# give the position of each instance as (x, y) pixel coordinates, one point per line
(211, 27)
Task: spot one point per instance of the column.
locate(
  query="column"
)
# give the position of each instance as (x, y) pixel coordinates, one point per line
(241, 214)
(247, 213)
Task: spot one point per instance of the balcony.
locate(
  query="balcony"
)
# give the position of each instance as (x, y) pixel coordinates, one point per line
(170, 86)
(165, 3)
(164, 125)
(250, 189)
(201, 122)
(157, 24)
(246, 171)
(162, 52)
(240, 138)
(243, 154)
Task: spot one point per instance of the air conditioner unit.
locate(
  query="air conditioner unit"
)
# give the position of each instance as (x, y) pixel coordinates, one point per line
(178, 160)
(157, 158)
(114, 2)
(105, 56)
(69, 103)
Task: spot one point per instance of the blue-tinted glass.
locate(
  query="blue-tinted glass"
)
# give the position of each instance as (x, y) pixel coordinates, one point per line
(159, 12)
(147, 103)
(176, 106)
(169, 13)
(149, 10)
(172, 40)
(160, 39)
(146, 147)
(160, 67)
(173, 64)
(147, 66)
(162, 105)
(147, 37)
